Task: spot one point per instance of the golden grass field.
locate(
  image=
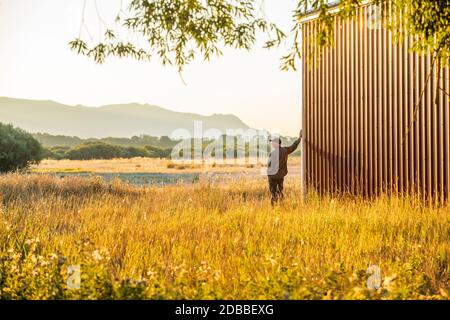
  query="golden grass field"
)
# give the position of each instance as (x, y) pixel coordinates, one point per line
(149, 165)
(213, 241)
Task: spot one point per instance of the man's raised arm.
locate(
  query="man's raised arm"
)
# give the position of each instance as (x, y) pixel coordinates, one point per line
(294, 146)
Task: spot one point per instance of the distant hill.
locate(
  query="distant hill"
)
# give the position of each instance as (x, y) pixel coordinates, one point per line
(121, 120)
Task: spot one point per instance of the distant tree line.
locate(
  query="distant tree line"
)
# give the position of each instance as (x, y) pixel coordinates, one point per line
(74, 148)
(49, 140)
(101, 150)
(19, 149)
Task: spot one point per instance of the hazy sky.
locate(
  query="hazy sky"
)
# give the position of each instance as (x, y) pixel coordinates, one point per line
(36, 63)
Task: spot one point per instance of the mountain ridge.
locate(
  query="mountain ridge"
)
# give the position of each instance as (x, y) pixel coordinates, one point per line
(113, 120)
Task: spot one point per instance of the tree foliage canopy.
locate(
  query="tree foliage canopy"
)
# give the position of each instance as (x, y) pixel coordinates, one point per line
(18, 149)
(177, 31)
(100, 150)
(426, 21)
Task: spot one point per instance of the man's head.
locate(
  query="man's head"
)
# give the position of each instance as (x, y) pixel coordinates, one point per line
(275, 142)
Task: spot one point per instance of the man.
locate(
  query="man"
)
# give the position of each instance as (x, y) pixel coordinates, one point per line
(277, 166)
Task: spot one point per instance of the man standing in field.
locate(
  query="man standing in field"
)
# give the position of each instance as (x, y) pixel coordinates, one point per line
(277, 166)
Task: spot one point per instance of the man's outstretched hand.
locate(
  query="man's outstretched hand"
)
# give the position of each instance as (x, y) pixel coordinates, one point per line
(300, 135)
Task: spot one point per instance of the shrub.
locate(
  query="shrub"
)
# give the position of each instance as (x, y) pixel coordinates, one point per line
(132, 152)
(100, 150)
(18, 149)
(58, 152)
(155, 152)
(94, 150)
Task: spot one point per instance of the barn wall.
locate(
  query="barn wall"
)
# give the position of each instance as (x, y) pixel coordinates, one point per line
(363, 134)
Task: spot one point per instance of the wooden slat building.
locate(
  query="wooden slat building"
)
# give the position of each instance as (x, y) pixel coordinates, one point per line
(363, 134)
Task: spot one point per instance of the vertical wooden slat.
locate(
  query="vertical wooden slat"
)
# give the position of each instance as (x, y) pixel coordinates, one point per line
(385, 97)
(433, 136)
(393, 94)
(417, 126)
(434, 110)
(328, 109)
(305, 105)
(440, 138)
(422, 103)
(371, 105)
(334, 109)
(313, 113)
(446, 79)
(366, 105)
(390, 139)
(340, 99)
(308, 111)
(354, 111)
(379, 109)
(319, 127)
(310, 136)
(399, 115)
(326, 115)
(346, 113)
(358, 96)
(404, 114)
(428, 126)
(412, 132)
(408, 131)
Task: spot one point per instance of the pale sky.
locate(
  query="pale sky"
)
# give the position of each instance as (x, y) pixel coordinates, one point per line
(36, 63)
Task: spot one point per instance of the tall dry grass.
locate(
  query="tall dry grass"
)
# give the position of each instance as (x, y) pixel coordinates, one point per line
(211, 241)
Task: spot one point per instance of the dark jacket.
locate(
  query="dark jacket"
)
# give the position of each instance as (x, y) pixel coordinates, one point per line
(280, 155)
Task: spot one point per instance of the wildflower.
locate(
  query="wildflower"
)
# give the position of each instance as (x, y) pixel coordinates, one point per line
(271, 260)
(443, 292)
(16, 256)
(44, 263)
(277, 221)
(97, 256)
(353, 278)
(217, 275)
(32, 242)
(387, 283)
